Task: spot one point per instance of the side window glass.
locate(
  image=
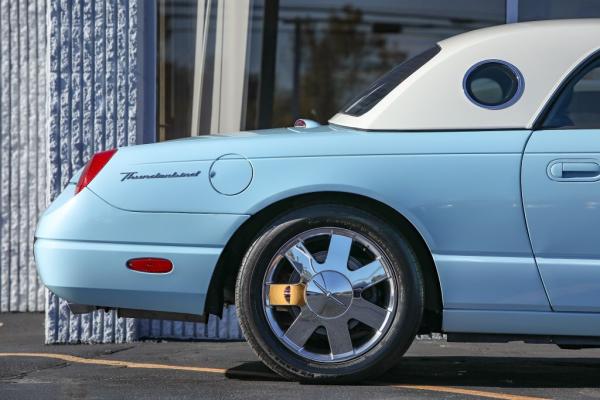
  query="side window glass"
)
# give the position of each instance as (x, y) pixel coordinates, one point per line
(578, 106)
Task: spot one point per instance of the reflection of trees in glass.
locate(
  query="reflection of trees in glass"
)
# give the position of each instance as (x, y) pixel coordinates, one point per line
(338, 59)
(175, 67)
(251, 106)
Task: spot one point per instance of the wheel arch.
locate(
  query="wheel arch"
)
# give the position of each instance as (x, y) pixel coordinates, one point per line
(221, 289)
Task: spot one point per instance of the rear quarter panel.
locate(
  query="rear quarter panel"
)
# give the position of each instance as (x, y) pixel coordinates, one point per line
(453, 186)
(461, 190)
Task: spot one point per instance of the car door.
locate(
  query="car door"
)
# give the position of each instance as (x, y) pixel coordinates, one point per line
(561, 193)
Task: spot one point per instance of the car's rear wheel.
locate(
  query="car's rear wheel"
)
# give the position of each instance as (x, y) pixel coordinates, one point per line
(330, 293)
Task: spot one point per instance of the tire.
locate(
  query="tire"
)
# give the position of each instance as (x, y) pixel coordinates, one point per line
(277, 345)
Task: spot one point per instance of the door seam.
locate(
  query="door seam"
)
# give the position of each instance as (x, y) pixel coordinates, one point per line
(527, 223)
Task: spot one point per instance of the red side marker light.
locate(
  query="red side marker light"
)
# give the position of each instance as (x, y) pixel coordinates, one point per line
(150, 265)
(93, 167)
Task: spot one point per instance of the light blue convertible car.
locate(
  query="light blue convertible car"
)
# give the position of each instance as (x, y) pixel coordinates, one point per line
(460, 193)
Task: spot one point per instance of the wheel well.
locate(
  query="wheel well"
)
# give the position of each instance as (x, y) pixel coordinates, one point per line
(222, 285)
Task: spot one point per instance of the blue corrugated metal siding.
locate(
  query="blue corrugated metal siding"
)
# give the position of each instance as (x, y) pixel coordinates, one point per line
(23, 147)
(92, 96)
(226, 328)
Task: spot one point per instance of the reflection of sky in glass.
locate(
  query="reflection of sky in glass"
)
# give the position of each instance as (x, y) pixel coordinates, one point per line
(530, 10)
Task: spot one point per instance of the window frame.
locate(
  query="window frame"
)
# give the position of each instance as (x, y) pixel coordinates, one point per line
(511, 101)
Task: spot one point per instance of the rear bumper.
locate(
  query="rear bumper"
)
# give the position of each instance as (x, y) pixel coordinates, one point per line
(82, 246)
(95, 273)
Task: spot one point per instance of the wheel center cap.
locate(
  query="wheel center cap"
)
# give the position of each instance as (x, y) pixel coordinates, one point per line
(328, 294)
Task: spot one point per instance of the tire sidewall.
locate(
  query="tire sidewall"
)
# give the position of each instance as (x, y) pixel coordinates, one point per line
(404, 270)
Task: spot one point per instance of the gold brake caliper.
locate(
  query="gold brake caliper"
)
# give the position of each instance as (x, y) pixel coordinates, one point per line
(286, 294)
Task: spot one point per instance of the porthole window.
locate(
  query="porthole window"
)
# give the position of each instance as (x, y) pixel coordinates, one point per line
(493, 84)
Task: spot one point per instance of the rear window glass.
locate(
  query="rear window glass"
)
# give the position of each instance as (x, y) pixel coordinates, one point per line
(384, 85)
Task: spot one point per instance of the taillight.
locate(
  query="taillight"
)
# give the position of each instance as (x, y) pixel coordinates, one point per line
(93, 167)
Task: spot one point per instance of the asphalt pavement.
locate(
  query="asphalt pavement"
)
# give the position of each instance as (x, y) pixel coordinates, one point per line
(210, 370)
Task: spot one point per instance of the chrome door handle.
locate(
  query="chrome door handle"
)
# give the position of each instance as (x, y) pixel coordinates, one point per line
(574, 170)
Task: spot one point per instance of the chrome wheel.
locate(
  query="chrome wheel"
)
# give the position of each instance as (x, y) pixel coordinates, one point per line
(328, 294)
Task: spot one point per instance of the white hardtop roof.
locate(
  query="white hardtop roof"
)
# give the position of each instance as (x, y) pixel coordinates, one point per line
(432, 98)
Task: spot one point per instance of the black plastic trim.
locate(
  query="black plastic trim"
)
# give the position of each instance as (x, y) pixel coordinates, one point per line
(131, 313)
(563, 341)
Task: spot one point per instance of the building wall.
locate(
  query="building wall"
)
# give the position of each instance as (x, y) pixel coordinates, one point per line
(96, 101)
(92, 106)
(23, 149)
